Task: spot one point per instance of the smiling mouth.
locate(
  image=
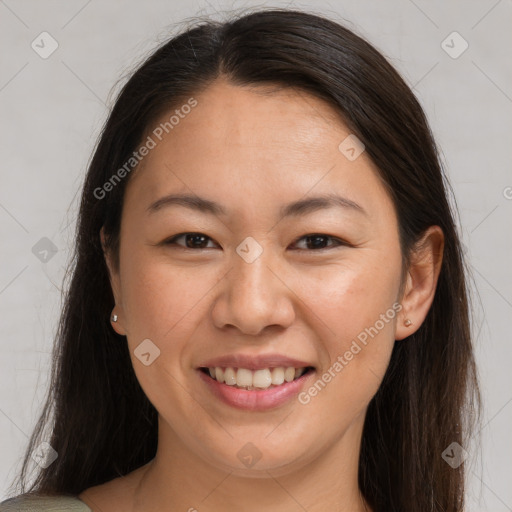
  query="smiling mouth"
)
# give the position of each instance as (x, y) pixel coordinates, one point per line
(253, 380)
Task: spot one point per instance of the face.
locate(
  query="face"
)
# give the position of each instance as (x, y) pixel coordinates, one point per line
(257, 286)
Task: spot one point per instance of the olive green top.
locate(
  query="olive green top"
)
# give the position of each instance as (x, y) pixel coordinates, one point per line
(27, 503)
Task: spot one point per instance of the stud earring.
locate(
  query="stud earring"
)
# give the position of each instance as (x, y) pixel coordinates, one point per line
(407, 322)
(114, 318)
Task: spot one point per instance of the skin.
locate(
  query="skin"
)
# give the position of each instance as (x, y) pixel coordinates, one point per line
(254, 150)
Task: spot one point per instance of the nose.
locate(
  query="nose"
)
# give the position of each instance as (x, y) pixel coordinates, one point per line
(254, 296)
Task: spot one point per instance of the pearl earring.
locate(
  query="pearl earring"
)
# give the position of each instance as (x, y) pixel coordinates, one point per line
(407, 322)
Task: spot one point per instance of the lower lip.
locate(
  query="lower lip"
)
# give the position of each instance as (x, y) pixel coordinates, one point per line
(255, 400)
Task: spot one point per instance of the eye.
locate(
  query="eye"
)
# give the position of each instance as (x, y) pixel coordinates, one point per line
(316, 241)
(198, 241)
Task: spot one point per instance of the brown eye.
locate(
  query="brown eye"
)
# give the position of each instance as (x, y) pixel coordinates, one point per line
(314, 241)
(317, 241)
(192, 240)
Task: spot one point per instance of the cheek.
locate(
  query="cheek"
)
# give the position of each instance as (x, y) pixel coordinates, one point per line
(351, 295)
(357, 310)
(163, 301)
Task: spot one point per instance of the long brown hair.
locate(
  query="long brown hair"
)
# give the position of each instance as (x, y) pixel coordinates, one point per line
(101, 423)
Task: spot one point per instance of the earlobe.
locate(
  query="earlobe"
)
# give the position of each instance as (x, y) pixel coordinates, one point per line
(422, 277)
(116, 322)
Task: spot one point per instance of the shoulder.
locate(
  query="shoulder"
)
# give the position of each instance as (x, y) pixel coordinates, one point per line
(34, 503)
(116, 494)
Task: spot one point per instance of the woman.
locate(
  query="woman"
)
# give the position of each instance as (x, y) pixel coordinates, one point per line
(268, 306)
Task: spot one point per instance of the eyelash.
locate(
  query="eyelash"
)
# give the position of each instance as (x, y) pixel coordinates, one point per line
(339, 242)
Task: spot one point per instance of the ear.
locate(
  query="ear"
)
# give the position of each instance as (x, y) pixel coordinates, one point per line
(421, 283)
(115, 284)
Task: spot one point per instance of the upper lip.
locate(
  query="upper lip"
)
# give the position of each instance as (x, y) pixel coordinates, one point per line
(254, 362)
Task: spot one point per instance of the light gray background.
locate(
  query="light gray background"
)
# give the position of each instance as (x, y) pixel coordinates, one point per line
(52, 110)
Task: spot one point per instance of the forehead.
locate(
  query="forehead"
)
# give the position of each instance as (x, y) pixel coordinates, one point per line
(258, 142)
(264, 116)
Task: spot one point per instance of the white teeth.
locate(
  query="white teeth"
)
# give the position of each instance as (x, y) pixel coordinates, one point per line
(243, 377)
(289, 374)
(277, 376)
(258, 379)
(261, 378)
(230, 376)
(219, 374)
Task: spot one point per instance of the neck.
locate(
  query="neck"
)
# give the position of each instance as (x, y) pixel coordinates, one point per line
(184, 480)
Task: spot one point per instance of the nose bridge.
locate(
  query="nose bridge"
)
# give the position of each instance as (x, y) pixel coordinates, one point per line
(253, 296)
(251, 271)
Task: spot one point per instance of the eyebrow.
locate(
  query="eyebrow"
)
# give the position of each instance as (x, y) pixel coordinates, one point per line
(295, 209)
